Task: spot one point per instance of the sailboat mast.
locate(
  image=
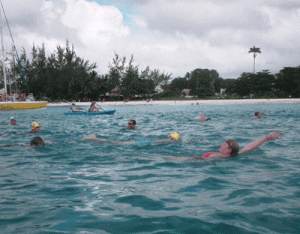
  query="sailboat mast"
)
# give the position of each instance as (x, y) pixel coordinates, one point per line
(3, 62)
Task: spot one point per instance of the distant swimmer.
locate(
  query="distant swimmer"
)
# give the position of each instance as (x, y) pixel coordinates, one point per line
(172, 138)
(203, 118)
(13, 121)
(74, 108)
(258, 115)
(131, 124)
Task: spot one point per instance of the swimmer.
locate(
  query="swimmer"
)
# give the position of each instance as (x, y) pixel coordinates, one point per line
(202, 118)
(258, 115)
(75, 108)
(131, 124)
(37, 141)
(231, 148)
(13, 121)
(172, 138)
(35, 127)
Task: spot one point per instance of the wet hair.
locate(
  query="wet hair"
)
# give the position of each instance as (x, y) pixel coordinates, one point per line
(37, 141)
(235, 148)
(133, 121)
(256, 113)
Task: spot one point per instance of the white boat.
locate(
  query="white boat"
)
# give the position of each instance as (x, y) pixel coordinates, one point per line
(13, 103)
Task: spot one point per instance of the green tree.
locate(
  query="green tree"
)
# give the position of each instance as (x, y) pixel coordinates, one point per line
(116, 71)
(60, 76)
(202, 82)
(130, 81)
(263, 84)
(254, 50)
(178, 84)
(146, 85)
(288, 82)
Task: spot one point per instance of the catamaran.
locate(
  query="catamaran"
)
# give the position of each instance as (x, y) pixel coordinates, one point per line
(14, 101)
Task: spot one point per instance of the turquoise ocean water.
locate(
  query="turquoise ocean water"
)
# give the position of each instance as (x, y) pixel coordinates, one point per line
(76, 186)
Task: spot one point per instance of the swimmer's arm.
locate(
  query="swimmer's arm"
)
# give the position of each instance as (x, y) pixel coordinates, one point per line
(117, 142)
(255, 144)
(124, 142)
(32, 149)
(160, 141)
(214, 155)
(94, 138)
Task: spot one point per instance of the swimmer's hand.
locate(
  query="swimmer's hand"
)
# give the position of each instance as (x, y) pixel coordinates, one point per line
(274, 135)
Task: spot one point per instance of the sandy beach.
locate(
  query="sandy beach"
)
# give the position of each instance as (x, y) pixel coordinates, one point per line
(186, 102)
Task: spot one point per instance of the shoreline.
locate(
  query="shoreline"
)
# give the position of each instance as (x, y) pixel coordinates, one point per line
(185, 102)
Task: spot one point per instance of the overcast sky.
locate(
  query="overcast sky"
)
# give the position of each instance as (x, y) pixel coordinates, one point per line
(175, 36)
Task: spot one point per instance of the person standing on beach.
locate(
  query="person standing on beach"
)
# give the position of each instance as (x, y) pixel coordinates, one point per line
(258, 115)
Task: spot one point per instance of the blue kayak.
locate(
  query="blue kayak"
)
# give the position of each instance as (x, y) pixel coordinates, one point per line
(107, 112)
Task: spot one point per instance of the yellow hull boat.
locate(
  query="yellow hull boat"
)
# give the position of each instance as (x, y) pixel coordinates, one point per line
(22, 105)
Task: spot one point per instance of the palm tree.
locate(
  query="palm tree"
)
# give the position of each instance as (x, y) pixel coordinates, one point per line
(254, 50)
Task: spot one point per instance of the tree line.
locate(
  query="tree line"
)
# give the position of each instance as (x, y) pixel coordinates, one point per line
(64, 75)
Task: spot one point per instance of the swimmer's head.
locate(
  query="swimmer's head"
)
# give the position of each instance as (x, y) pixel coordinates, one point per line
(256, 113)
(35, 125)
(175, 135)
(37, 141)
(13, 121)
(131, 124)
(234, 146)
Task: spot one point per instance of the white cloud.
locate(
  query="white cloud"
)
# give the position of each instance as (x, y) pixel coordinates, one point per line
(173, 36)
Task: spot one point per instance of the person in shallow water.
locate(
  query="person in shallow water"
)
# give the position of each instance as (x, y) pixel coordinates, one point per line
(230, 147)
(203, 118)
(172, 138)
(131, 124)
(258, 115)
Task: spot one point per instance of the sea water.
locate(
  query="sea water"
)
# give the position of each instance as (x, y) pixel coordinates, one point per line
(77, 186)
